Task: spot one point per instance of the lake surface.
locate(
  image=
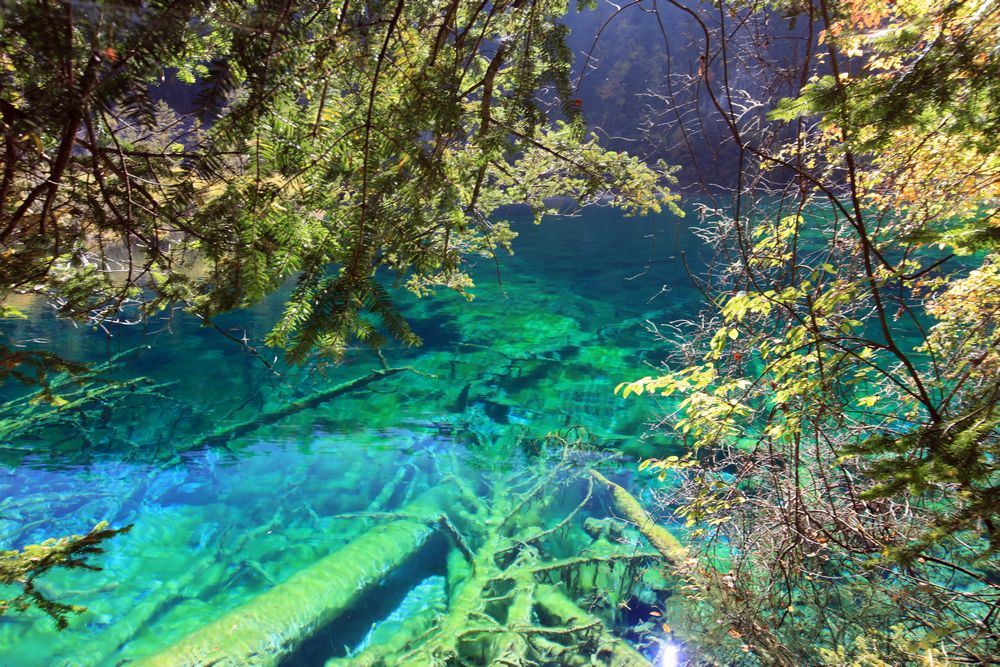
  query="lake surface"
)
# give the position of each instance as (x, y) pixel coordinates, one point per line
(219, 521)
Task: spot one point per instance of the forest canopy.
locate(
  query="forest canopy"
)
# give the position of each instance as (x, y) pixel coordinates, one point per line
(834, 406)
(328, 140)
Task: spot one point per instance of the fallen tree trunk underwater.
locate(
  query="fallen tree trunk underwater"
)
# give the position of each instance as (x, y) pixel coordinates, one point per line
(709, 584)
(617, 652)
(662, 539)
(264, 630)
(262, 419)
(515, 572)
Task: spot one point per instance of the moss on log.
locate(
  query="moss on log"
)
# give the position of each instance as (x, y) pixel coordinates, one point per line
(511, 649)
(261, 632)
(503, 608)
(403, 635)
(611, 650)
(631, 509)
(464, 604)
(32, 418)
(262, 419)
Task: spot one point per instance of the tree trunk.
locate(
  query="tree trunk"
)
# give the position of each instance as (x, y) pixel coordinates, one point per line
(272, 625)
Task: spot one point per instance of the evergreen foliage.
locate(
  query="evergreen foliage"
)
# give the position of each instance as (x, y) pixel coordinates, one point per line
(330, 140)
(21, 568)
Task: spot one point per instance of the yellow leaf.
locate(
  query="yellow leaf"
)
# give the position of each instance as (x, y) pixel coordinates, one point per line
(645, 464)
(666, 628)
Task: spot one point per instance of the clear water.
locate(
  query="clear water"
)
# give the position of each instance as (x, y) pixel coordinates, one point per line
(217, 525)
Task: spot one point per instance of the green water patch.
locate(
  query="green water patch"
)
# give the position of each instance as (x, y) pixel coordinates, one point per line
(241, 482)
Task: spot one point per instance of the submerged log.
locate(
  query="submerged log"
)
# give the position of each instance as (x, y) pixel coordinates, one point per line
(491, 612)
(511, 649)
(63, 380)
(465, 603)
(262, 419)
(272, 625)
(496, 593)
(661, 538)
(768, 647)
(33, 418)
(611, 650)
(403, 634)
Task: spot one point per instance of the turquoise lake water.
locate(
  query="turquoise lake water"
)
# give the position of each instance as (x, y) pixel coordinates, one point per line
(218, 523)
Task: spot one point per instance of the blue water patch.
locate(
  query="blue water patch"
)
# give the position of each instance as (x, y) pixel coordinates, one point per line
(220, 520)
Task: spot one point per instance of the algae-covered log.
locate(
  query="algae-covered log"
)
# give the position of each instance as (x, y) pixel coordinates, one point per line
(503, 607)
(661, 538)
(611, 650)
(493, 610)
(768, 648)
(406, 626)
(262, 631)
(31, 418)
(465, 603)
(271, 416)
(511, 648)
